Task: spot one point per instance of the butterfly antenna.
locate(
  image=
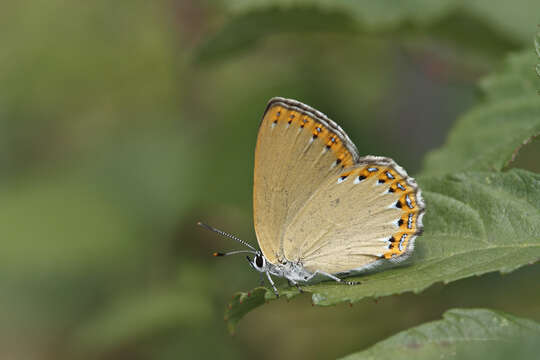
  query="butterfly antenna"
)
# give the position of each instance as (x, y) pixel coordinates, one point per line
(208, 227)
(233, 252)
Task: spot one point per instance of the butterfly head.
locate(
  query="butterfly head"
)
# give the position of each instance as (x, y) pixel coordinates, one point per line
(259, 262)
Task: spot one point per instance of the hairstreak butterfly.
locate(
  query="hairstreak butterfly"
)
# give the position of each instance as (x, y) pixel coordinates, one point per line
(320, 208)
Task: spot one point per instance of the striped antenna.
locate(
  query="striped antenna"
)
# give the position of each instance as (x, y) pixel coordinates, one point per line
(208, 227)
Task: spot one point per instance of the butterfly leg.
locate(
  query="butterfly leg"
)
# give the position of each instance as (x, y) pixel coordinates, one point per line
(272, 283)
(333, 277)
(291, 283)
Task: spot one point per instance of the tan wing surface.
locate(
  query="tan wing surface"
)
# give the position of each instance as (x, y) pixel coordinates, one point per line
(298, 148)
(369, 211)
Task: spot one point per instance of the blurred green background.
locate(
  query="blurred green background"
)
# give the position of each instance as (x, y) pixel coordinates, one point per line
(120, 128)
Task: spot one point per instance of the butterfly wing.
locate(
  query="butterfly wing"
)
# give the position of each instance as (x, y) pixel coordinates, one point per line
(369, 211)
(298, 148)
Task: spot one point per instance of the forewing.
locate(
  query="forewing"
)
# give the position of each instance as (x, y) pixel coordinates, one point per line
(298, 149)
(368, 212)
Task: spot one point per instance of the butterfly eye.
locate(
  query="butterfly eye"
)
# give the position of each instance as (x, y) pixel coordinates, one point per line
(259, 261)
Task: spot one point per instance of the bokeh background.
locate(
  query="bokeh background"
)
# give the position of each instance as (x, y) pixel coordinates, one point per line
(124, 123)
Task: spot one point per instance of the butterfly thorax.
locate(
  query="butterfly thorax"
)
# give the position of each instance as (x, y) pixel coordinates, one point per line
(293, 271)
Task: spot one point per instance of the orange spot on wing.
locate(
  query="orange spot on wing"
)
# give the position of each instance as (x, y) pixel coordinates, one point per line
(394, 248)
(369, 171)
(331, 140)
(408, 222)
(306, 121)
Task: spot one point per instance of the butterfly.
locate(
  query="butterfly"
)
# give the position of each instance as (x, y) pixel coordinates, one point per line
(319, 208)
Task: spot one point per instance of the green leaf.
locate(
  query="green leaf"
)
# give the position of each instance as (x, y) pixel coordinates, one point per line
(373, 14)
(245, 31)
(244, 302)
(515, 19)
(461, 334)
(490, 136)
(476, 222)
(514, 81)
(251, 21)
